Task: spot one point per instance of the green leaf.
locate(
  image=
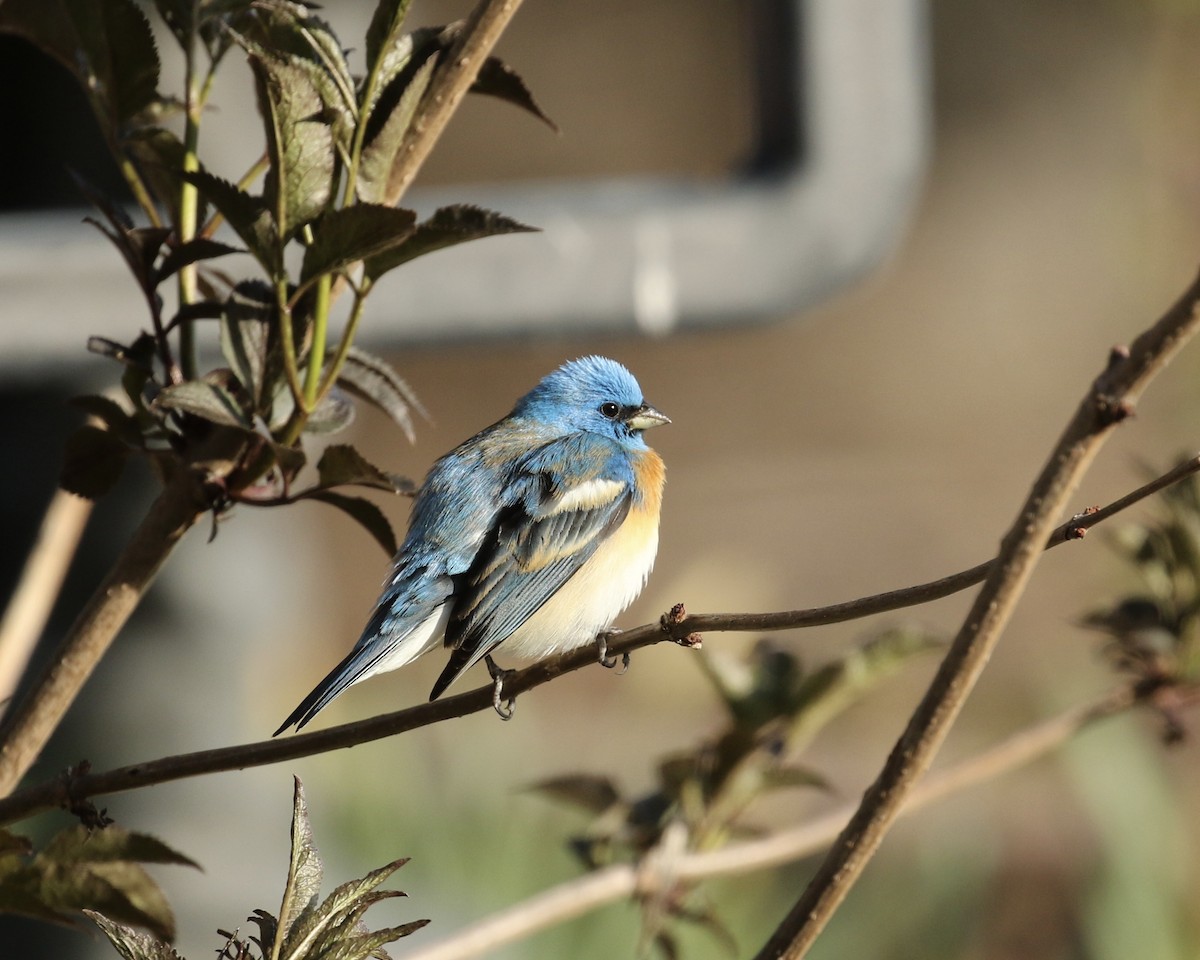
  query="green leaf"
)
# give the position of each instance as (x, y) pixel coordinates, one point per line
(304, 868)
(333, 414)
(202, 248)
(447, 227)
(132, 944)
(300, 142)
(365, 512)
(245, 337)
(249, 216)
(108, 45)
(373, 379)
(595, 794)
(385, 29)
(388, 122)
(341, 464)
(204, 399)
(92, 462)
(343, 237)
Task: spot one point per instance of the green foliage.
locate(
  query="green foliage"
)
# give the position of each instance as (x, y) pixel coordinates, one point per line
(332, 148)
(307, 927)
(775, 709)
(97, 869)
(1153, 632)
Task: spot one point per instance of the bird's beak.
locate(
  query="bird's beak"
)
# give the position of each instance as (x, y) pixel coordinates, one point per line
(645, 417)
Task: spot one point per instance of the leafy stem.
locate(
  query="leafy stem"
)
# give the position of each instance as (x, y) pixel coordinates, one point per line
(316, 352)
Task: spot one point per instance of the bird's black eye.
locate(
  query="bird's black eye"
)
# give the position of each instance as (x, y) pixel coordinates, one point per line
(610, 410)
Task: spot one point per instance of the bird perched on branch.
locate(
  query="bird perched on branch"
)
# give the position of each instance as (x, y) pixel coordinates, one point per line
(532, 536)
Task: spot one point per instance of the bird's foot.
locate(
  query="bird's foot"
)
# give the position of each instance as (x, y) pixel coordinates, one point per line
(504, 707)
(602, 651)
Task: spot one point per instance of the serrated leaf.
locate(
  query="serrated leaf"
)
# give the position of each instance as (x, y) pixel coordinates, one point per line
(447, 227)
(248, 216)
(373, 379)
(343, 237)
(390, 117)
(497, 79)
(335, 929)
(342, 465)
(202, 248)
(130, 943)
(200, 398)
(365, 512)
(385, 29)
(77, 844)
(304, 867)
(92, 462)
(591, 792)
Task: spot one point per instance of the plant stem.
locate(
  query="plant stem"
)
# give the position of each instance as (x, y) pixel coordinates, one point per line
(316, 353)
(27, 728)
(343, 350)
(46, 796)
(189, 205)
(450, 84)
(1107, 402)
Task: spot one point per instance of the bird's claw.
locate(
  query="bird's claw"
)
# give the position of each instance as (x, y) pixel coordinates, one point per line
(504, 707)
(602, 653)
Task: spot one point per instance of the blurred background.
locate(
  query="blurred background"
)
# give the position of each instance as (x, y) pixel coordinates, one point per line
(881, 437)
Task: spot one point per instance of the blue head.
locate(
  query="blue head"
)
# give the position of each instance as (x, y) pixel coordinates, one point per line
(592, 394)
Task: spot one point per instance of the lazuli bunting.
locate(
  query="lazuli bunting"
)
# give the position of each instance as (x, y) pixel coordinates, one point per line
(535, 534)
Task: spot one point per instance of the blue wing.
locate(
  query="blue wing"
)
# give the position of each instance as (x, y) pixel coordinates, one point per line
(573, 493)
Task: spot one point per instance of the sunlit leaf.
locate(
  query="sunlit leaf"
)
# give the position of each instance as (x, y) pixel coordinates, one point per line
(373, 379)
(385, 29)
(447, 227)
(304, 867)
(130, 943)
(333, 414)
(391, 116)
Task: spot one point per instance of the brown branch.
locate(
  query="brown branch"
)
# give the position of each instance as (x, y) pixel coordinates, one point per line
(593, 890)
(451, 81)
(27, 728)
(41, 579)
(70, 788)
(1109, 401)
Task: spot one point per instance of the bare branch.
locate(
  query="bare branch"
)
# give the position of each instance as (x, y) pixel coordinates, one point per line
(69, 788)
(41, 579)
(590, 891)
(1108, 402)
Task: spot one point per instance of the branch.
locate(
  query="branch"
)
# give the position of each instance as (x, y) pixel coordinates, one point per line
(1109, 401)
(41, 579)
(27, 728)
(593, 890)
(70, 788)
(451, 82)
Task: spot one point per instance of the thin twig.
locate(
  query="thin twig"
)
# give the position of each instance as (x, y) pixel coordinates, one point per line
(62, 791)
(45, 567)
(593, 890)
(451, 81)
(1109, 401)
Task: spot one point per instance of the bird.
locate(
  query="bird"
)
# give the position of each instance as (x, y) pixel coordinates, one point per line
(533, 536)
